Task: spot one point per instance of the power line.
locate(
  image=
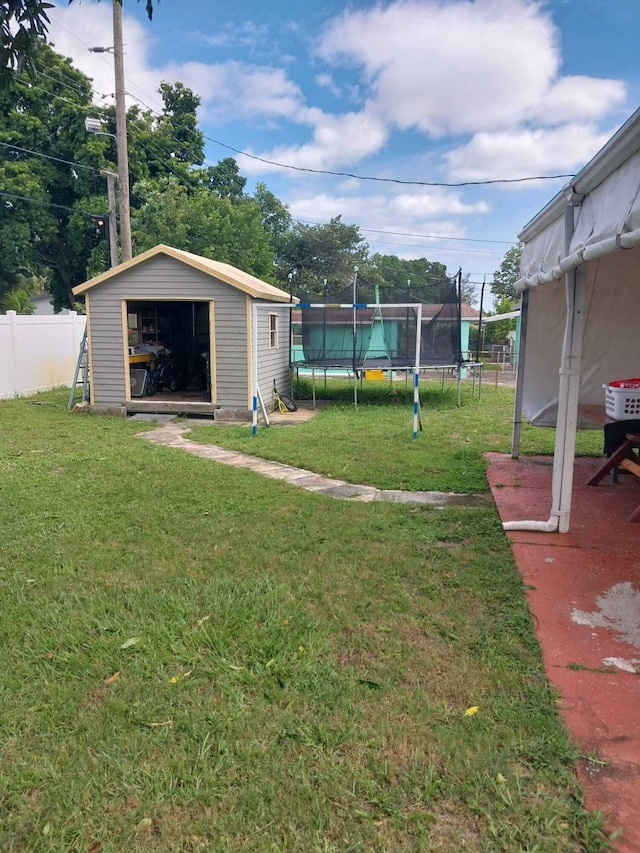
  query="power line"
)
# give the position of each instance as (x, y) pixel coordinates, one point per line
(49, 157)
(103, 58)
(49, 204)
(438, 237)
(83, 108)
(439, 248)
(387, 180)
(348, 174)
(422, 236)
(364, 178)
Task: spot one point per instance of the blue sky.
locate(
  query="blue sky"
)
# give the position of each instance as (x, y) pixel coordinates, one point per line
(414, 91)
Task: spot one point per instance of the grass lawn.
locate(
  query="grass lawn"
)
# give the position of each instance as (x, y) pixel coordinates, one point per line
(373, 445)
(197, 658)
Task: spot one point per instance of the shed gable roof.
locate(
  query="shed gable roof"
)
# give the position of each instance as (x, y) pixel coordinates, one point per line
(230, 275)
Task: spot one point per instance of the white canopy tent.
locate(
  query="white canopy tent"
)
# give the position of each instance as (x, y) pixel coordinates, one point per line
(580, 289)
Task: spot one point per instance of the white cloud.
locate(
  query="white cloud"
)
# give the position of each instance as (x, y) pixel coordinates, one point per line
(579, 99)
(229, 90)
(462, 67)
(525, 153)
(486, 73)
(326, 81)
(338, 140)
(245, 35)
(420, 212)
(235, 90)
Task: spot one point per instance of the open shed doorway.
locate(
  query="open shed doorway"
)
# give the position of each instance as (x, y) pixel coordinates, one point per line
(169, 352)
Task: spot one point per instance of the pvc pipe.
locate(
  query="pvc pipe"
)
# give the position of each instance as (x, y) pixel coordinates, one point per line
(589, 252)
(549, 526)
(263, 408)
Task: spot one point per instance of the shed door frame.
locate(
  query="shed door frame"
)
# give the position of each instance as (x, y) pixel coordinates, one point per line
(212, 336)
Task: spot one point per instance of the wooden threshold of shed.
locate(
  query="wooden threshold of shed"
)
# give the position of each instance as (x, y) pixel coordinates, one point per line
(178, 407)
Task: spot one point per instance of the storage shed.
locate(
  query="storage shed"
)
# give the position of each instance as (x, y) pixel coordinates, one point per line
(170, 331)
(580, 302)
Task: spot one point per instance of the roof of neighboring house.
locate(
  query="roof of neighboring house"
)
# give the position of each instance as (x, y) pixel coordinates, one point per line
(216, 269)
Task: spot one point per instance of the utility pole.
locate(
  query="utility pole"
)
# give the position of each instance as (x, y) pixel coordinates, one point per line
(121, 134)
(113, 236)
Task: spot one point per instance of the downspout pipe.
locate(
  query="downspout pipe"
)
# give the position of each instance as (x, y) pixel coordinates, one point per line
(558, 518)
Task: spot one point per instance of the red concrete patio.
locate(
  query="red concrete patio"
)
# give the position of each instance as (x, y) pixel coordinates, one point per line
(584, 593)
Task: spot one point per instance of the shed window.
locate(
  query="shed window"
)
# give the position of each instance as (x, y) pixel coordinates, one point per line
(273, 331)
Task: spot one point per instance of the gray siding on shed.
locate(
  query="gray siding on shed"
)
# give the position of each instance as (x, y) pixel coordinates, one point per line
(232, 369)
(163, 277)
(273, 364)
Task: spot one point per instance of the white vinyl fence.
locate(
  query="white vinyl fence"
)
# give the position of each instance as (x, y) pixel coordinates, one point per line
(38, 352)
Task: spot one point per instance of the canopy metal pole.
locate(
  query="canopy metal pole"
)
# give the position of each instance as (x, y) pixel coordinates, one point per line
(564, 453)
(517, 407)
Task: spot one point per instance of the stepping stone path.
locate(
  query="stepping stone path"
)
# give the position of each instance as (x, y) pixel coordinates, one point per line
(171, 434)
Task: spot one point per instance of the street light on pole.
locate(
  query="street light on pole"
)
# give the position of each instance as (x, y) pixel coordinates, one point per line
(94, 125)
(121, 129)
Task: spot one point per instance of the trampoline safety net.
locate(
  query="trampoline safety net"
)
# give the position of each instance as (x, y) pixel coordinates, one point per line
(366, 335)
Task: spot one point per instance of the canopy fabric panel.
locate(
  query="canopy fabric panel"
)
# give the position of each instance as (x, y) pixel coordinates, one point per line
(611, 349)
(607, 220)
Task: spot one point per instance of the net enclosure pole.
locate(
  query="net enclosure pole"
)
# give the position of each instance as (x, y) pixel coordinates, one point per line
(355, 334)
(416, 374)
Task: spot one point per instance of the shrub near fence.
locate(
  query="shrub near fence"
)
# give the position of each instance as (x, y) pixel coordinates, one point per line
(38, 352)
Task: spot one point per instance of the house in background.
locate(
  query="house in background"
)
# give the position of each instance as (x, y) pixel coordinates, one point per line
(44, 305)
(225, 334)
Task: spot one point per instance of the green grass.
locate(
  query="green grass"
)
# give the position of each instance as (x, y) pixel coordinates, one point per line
(373, 444)
(197, 658)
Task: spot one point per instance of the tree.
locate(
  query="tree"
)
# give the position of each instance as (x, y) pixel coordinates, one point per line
(507, 274)
(224, 179)
(170, 144)
(49, 170)
(276, 219)
(23, 24)
(43, 135)
(178, 125)
(313, 254)
(496, 333)
(200, 222)
(467, 290)
(418, 279)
